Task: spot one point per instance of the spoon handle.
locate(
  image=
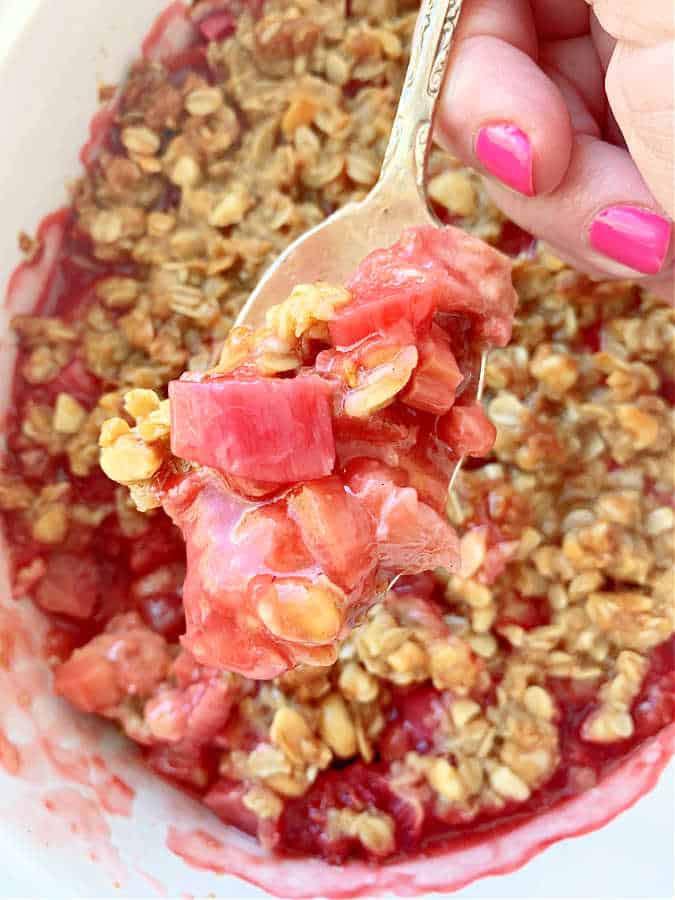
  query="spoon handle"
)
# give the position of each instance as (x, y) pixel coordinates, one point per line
(410, 139)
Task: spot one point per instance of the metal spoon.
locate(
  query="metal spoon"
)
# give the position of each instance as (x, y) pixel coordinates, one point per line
(332, 250)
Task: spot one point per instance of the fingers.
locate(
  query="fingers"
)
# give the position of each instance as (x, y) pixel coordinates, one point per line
(531, 118)
(555, 20)
(580, 116)
(602, 214)
(604, 42)
(501, 114)
(604, 46)
(578, 60)
(509, 20)
(647, 22)
(640, 88)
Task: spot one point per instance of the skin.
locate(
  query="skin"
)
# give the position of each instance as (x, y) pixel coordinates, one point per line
(591, 83)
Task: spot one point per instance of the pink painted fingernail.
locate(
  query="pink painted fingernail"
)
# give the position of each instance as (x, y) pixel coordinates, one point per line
(635, 237)
(506, 152)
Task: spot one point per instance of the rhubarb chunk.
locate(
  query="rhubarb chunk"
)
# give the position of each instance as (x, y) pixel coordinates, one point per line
(273, 430)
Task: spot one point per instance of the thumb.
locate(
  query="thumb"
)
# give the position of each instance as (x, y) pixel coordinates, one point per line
(640, 88)
(646, 22)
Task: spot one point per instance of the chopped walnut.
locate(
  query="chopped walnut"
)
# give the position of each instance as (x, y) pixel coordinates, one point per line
(374, 829)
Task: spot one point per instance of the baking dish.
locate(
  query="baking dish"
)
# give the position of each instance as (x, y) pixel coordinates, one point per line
(48, 117)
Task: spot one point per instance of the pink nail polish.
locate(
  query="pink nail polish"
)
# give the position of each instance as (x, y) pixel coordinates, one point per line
(635, 237)
(506, 152)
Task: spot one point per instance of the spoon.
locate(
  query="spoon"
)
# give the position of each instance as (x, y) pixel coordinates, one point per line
(332, 250)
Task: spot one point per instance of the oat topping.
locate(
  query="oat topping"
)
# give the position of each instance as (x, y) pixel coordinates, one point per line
(455, 699)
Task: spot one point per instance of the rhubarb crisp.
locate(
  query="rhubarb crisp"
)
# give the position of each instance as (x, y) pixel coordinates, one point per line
(538, 653)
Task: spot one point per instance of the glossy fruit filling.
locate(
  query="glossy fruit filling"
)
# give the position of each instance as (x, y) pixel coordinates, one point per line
(290, 535)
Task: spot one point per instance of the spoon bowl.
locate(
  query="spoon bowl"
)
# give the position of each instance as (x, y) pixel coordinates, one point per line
(331, 251)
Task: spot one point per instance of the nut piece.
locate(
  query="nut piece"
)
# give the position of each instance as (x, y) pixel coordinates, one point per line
(454, 191)
(157, 425)
(69, 416)
(231, 209)
(381, 384)
(266, 761)
(111, 430)
(140, 139)
(129, 459)
(303, 612)
(306, 306)
(185, 172)
(337, 728)
(558, 372)
(300, 112)
(293, 736)
(153, 417)
(357, 684)
(140, 402)
(117, 292)
(263, 803)
(642, 427)
(453, 666)
(106, 227)
(204, 101)
(445, 780)
(507, 784)
(375, 830)
(539, 702)
(51, 526)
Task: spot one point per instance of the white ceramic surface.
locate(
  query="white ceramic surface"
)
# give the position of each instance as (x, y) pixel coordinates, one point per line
(52, 53)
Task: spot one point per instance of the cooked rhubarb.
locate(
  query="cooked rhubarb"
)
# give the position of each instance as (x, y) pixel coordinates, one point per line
(272, 430)
(291, 539)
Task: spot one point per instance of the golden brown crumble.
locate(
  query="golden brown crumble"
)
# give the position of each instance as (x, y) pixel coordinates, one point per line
(579, 488)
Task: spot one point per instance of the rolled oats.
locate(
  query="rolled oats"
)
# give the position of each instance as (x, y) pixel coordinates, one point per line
(337, 727)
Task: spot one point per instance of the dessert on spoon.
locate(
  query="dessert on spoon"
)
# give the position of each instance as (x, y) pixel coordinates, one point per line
(309, 467)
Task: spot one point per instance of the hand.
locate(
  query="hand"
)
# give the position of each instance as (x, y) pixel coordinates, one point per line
(566, 106)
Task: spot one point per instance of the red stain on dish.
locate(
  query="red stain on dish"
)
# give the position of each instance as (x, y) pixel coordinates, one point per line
(80, 814)
(51, 746)
(199, 849)
(80, 818)
(28, 288)
(114, 795)
(10, 758)
(160, 889)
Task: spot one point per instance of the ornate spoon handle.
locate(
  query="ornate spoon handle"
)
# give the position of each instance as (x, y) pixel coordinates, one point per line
(408, 147)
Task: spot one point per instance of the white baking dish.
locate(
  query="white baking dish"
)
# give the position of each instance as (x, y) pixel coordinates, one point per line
(52, 54)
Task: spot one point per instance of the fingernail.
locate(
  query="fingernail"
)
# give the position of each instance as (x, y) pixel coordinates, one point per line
(635, 237)
(506, 152)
